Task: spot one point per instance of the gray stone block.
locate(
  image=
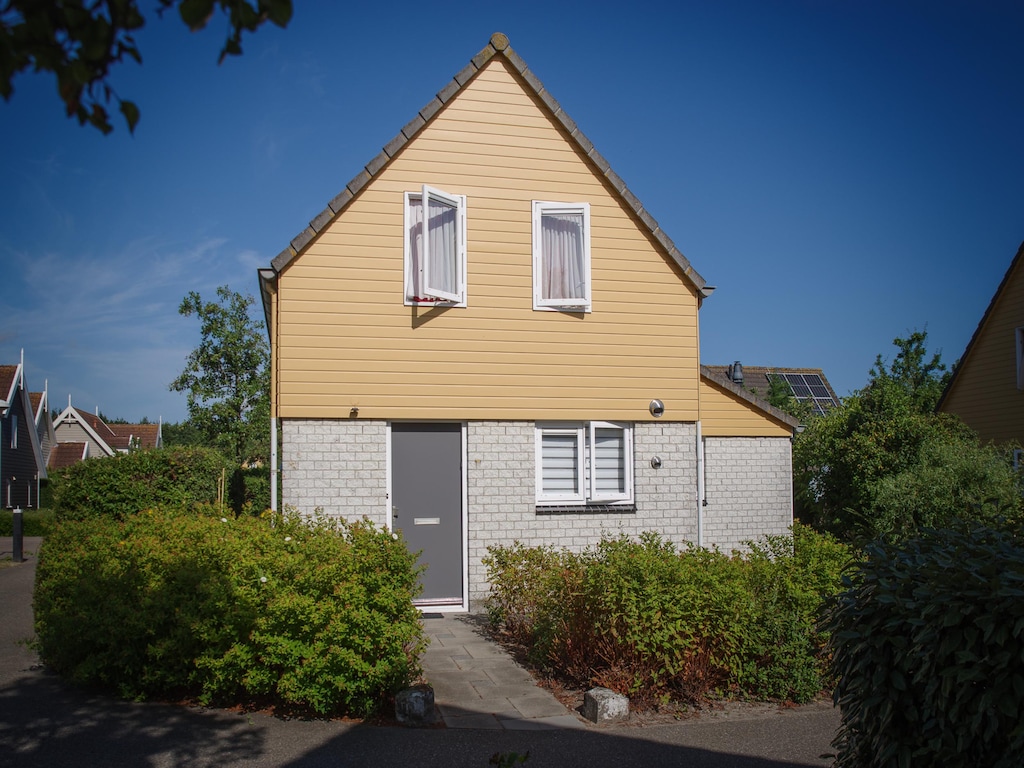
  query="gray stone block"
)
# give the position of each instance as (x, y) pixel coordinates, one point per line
(415, 706)
(601, 705)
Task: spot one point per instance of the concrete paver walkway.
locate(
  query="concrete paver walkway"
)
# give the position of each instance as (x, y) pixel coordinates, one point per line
(477, 684)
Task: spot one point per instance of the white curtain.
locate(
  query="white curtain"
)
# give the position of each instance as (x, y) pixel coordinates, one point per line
(441, 231)
(562, 274)
(415, 248)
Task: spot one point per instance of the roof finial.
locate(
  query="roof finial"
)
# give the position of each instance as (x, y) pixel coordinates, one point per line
(499, 41)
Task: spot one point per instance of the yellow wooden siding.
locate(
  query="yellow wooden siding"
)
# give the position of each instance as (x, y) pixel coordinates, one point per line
(985, 393)
(723, 414)
(345, 339)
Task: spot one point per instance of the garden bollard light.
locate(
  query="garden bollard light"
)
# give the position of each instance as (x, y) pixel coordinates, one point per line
(16, 534)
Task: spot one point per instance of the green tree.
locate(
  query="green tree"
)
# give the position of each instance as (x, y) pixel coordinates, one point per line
(780, 394)
(227, 377)
(80, 40)
(884, 464)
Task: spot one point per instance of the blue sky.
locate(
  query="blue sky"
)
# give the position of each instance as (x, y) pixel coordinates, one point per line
(843, 172)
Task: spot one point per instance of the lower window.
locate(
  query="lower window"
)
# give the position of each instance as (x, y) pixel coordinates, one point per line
(584, 462)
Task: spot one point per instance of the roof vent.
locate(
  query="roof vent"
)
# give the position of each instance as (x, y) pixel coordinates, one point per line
(736, 373)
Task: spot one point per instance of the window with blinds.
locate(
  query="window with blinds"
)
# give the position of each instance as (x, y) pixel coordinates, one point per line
(584, 462)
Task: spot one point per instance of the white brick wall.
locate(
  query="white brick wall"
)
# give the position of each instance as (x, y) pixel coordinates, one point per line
(340, 466)
(502, 506)
(336, 465)
(749, 488)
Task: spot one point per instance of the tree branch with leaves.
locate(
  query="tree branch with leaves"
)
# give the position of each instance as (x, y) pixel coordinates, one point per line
(79, 41)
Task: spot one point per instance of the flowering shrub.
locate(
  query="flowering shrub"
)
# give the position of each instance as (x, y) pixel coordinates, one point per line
(647, 620)
(308, 616)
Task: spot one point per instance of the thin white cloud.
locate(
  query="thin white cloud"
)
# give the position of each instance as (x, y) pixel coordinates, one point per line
(105, 327)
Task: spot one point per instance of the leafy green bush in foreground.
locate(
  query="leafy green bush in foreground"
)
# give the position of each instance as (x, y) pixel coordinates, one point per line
(312, 617)
(642, 618)
(928, 642)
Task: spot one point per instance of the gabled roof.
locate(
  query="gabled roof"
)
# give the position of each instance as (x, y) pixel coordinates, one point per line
(8, 383)
(756, 378)
(1017, 260)
(66, 454)
(142, 435)
(112, 438)
(716, 374)
(92, 424)
(12, 386)
(498, 46)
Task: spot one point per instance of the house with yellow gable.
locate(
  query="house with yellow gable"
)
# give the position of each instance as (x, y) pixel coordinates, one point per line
(986, 389)
(485, 337)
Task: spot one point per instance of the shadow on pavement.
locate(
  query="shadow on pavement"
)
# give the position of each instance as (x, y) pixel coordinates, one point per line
(46, 722)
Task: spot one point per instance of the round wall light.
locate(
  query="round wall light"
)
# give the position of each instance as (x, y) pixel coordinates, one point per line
(657, 408)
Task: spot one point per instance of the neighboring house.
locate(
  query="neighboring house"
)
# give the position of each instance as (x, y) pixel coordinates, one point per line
(807, 384)
(43, 422)
(486, 338)
(21, 459)
(987, 386)
(96, 438)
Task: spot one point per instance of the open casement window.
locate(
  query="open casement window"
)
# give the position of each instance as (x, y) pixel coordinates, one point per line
(561, 256)
(582, 463)
(435, 247)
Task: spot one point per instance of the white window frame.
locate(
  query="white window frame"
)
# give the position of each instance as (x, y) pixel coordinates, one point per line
(1019, 334)
(14, 431)
(577, 431)
(540, 208)
(437, 296)
(586, 478)
(625, 495)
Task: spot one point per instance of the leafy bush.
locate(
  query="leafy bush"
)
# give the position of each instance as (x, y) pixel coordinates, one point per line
(119, 486)
(928, 642)
(642, 618)
(312, 617)
(34, 522)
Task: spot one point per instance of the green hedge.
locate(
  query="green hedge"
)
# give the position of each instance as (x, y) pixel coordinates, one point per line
(34, 522)
(928, 644)
(644, 619)
(119, 486)
(312, 617)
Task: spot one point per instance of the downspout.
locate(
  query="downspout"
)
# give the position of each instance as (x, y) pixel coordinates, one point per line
(701, 501)
(273, 464)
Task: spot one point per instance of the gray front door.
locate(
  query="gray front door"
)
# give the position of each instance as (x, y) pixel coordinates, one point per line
(426, 504)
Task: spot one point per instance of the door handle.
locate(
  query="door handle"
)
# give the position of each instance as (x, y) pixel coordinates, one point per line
(394, 511)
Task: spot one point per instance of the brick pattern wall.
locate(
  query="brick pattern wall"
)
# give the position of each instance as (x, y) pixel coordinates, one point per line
(502, 506)
(336, 465)
(340, 466)
(749, 489)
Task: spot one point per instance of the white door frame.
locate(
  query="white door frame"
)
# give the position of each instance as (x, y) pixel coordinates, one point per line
(462, 607)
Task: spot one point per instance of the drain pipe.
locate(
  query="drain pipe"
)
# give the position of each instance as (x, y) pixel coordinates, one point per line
(701, 501)
(273, 464)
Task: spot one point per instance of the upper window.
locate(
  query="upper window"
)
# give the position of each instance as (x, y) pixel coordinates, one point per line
(14, 430)
(561, 256)
(435, 254)
(581, 463)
